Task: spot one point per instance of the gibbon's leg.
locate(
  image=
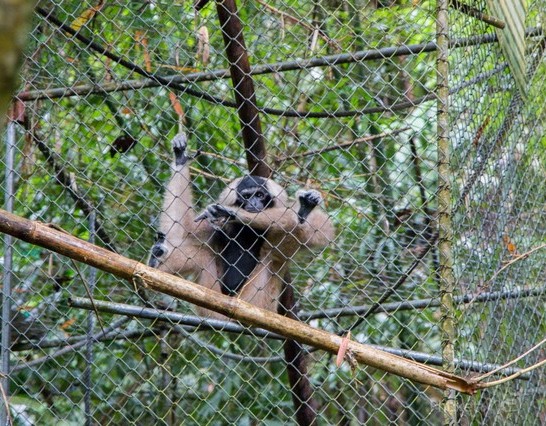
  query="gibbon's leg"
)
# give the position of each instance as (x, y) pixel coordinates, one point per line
(264, 285)
(177, 248)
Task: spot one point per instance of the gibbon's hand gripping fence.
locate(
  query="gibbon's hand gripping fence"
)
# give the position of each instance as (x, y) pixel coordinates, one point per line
(421, 124)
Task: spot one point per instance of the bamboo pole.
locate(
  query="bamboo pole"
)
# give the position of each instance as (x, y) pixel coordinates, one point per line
(70, 246)
(445, 230)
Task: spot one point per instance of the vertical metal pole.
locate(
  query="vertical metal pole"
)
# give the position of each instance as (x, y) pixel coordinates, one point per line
(447, 280)
(92, 279)
(8, 272)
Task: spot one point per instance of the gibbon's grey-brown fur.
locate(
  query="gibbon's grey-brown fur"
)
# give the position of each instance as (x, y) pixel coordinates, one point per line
(241, 245)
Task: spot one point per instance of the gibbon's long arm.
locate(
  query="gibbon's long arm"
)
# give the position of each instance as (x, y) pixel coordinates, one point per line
(178, 215)
(286, 234)
(179, 247)
(286, 228)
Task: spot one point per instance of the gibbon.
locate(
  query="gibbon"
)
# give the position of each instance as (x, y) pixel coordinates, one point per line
(243, 244)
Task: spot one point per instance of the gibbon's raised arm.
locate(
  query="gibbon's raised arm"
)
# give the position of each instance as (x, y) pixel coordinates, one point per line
(178, 248)
(178, 214)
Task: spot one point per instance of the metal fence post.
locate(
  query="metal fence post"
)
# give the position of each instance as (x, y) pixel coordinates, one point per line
(8, 272)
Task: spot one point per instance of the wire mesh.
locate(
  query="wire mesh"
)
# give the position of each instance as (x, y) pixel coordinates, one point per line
(346, 94)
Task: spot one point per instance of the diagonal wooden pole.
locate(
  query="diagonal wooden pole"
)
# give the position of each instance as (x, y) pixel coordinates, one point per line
(83, 251)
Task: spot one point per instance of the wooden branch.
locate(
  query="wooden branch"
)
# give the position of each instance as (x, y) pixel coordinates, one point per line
(243, 87)
(68, 245)
(344, 145)
(256, 152)
(173, 318)
(64, 179)
(476, 13)
(261, 69)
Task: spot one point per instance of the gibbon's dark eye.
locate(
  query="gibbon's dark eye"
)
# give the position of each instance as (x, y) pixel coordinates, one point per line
(260, 195)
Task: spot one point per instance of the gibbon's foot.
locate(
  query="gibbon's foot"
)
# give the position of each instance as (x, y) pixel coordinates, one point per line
(216, 212)
(309, 199)
(158, 251)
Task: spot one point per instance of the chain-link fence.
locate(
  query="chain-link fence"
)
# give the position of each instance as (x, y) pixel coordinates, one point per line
(433, 176)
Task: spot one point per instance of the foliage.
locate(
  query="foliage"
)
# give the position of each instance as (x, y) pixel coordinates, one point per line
(380, 193)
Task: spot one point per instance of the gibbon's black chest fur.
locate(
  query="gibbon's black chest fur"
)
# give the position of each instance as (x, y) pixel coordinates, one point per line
(239, 249)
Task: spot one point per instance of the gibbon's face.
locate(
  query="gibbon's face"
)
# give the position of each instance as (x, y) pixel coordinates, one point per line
(253, 195)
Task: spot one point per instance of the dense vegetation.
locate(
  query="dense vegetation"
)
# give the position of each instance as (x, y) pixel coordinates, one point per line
(374, 160)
